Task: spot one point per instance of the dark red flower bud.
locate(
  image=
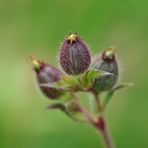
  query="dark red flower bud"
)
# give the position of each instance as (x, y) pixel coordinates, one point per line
(106, 62)
(46, 74)
(74, 55)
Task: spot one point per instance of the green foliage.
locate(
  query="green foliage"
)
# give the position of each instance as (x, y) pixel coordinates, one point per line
(87, 78)
(76, 83)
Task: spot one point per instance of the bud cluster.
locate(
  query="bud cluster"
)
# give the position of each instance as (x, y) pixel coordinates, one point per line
(75, 60)
(80, 73)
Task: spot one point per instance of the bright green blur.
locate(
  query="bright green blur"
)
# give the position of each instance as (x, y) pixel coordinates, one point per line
(37, 27)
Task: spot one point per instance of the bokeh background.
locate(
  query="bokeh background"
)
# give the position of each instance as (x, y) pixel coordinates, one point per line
(37, 27)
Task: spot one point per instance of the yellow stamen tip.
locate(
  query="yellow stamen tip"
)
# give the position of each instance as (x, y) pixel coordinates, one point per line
(72, 37)
(110, 51)
(35, 62)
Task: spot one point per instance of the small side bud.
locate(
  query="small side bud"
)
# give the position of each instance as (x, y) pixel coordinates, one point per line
(73, 106)
(106, 62)
(74, 55)
(46, 74)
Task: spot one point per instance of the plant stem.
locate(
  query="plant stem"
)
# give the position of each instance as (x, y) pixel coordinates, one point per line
(99, 105)
(89, 116)
(99, 123)
(101, 126)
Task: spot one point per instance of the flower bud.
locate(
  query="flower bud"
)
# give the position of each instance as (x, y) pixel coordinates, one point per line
(73, 106)
(46, 74)
(74, 55)
(106, 62)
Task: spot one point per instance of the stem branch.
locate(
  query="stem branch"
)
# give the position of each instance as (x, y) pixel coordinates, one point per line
(99, 123)
(98, 101)
(101, 126)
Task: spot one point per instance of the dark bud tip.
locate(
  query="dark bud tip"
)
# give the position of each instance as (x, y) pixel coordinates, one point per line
(56, 106)
(74, 55)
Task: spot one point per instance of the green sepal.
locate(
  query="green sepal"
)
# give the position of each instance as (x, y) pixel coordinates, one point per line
(76, 83)
(87, 78)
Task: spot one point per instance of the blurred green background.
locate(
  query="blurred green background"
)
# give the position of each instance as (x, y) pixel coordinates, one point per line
(37, 27)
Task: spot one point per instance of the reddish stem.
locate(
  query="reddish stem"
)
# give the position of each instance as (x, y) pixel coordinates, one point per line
(88, 115)
(101, 126)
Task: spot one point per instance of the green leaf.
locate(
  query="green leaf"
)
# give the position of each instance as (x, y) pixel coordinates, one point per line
(70, 80)
(121, 86)
(87, 78)
(67, 83)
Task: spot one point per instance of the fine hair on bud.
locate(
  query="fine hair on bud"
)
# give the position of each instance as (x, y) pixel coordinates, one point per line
(107, 62)
(74, 55)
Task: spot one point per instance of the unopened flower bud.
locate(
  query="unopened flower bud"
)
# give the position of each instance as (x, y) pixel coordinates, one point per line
(74, 55)
(106, 62)
(46, 74)
(73, 106)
